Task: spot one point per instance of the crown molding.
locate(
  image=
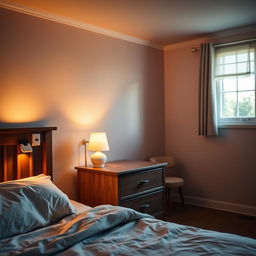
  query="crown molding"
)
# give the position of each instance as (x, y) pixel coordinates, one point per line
(74, 23)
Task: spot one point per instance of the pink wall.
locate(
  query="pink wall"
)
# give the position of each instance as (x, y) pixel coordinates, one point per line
(80, 81)
(220, 168)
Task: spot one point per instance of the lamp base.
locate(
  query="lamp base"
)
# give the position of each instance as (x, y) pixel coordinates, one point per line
(98, 159)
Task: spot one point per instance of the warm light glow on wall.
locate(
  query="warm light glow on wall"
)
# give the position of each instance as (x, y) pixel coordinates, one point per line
(24, 165)
(20, 103)
(22, 158)
(88, 109)
(84, 112)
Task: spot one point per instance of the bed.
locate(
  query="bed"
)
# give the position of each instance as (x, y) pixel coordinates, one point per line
(39, 219)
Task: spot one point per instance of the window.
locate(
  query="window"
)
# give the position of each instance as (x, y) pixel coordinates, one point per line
(234, 76)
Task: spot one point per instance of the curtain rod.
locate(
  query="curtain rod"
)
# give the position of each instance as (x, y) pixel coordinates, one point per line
(216, 45)
(233, 43)
(195, 49)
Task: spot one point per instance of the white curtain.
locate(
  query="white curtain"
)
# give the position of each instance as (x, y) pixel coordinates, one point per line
(207, 108)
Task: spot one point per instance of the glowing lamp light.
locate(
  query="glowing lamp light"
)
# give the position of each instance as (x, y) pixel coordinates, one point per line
(25, 146)
(98, 142)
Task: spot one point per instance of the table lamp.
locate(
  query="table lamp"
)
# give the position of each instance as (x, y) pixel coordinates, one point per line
(98, 142)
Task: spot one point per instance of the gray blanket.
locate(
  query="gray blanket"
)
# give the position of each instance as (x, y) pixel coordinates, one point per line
(109, 230)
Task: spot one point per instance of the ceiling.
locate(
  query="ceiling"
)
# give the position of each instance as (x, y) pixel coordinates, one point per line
(161, 22)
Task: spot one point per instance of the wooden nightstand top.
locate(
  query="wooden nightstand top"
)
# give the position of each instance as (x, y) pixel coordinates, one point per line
(122, 167)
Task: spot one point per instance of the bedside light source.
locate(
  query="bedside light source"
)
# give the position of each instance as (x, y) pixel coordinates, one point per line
(85, 150)
(25, 146)
(98, 142)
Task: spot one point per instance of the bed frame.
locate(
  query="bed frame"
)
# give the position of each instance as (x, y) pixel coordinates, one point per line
(14, 164)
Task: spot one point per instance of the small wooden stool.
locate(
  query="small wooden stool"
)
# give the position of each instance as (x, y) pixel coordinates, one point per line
(170, 182)
(174, 182)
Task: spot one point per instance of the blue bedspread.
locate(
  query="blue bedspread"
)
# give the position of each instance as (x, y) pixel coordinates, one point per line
(111, 230)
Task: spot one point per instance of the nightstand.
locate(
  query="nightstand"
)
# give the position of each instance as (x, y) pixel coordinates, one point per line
(135, 184)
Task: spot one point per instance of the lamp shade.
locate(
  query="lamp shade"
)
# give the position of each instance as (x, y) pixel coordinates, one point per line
(98, 142)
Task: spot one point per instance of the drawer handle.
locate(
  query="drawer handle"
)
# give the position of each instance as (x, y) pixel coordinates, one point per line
(144, 181)
(145, 206)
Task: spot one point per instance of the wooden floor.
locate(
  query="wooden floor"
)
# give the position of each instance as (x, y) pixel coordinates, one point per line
(213, 219)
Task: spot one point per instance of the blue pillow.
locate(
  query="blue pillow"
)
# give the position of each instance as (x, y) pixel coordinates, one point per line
(30, 203)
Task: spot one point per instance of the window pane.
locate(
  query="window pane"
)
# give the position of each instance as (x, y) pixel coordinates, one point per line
(251, 55)
(235, 59)
(246, 103)
(246, 83)
(252, 60)
(229, 104)
(220, 69)
(252, 67)
(235, 78)
(242, 67)
(242, 56)
(230, 59)
(230, 69)
(229, 84)
(220, 60)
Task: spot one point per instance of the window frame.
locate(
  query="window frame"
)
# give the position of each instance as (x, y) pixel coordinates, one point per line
(233, 122)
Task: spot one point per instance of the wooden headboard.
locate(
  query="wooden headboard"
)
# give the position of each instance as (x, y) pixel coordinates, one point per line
(14, 164)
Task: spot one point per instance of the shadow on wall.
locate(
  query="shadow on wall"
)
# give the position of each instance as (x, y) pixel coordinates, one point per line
(190, 177)
(126, 127)
(153, 107)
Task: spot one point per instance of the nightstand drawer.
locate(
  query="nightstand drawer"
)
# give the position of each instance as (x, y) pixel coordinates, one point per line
(140, 181)
(151, 204)
(135, 184)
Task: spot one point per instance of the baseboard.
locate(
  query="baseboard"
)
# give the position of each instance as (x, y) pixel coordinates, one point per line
(219, 205)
